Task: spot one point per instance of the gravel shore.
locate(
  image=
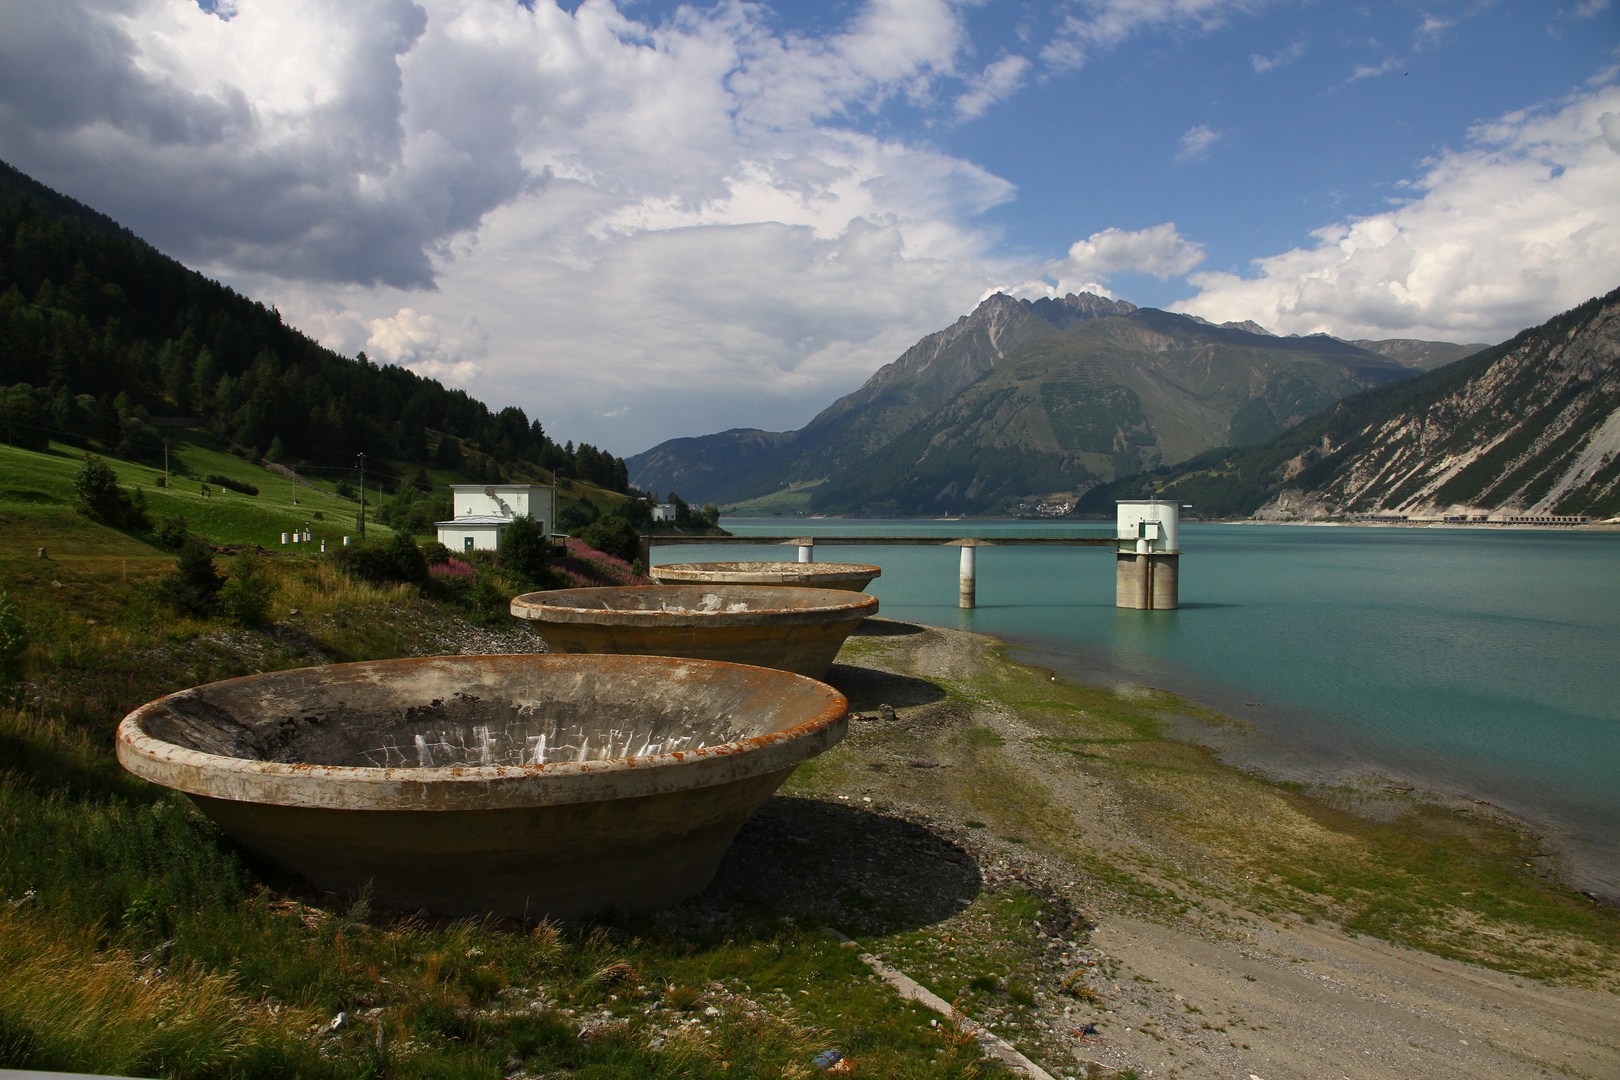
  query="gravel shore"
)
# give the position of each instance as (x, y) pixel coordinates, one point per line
(1049, 920)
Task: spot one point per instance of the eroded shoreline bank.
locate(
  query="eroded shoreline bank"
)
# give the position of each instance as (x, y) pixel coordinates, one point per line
(1238, 925)
(1290, 746)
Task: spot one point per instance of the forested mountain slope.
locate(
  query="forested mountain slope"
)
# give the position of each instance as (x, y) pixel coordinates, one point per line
(100, 332)
(1531, 425)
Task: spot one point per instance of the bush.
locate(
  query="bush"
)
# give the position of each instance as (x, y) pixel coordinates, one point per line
(171, 532)
(193, 586)
(246, 595)
(408, 559)
(570, 519)
(435, 553)
(613, 536)
(101, 499)
(234, 485)
(526, 550)
(399, 560)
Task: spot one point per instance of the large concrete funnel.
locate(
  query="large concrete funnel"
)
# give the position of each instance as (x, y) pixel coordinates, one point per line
(850, 577)
(794, 629)
(518, 785)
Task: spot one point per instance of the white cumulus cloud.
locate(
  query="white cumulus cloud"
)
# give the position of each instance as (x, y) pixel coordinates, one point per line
(1101, 25)
(1196, 143)
(1521, 223)
(1159, 250)
(996, 83)
(1286, 55)
(443, 349)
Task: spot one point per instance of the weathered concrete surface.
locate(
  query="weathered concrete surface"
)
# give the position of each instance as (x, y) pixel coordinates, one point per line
(538, 785)
(794, 629)
(1147, 582)
(851, 577)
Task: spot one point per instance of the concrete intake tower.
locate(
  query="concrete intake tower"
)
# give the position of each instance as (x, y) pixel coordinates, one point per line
(1147, 565)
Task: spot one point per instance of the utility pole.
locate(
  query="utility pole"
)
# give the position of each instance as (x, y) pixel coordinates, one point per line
(362, 496)
(165, 464)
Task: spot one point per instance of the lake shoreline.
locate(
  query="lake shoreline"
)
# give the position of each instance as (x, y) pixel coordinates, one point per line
(1235, 925)
(1246, 744)
(1475, 663)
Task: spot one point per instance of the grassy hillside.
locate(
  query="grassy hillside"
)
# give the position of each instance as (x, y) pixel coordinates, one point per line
(37, 494)
(136, 939)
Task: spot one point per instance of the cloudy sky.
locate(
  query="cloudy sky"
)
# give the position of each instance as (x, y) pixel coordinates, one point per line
(642, 219)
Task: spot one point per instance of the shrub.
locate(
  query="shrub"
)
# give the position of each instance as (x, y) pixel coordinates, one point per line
(246, 595)
(526, 549)
(234, 485)
(193, 586)
(613, 536)
(397, 560)
(408, 559)
(101, 499)
(450, 569)
(171, 532)
(570, 519)
(435, 553)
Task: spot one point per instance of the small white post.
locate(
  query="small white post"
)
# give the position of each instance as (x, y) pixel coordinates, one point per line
(345, 541)
(283, 539)
(966, 583)
(323, 546)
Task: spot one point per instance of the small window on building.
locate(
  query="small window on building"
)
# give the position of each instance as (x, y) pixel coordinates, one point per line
(466, 543)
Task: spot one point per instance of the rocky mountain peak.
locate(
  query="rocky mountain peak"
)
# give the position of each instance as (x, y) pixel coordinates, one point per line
(1078, 307)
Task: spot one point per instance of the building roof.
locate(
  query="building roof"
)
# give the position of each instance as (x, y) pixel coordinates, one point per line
(477, 519)
(500, 487)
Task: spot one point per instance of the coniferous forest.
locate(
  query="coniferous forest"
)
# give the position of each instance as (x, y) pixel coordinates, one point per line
(101, 334)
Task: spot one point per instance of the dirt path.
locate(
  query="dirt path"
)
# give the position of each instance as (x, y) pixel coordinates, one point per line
(1135, 916)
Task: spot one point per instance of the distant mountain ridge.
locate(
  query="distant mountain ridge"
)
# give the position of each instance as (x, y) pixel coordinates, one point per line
(745, 462)
(1103, 388)
(1531, 426)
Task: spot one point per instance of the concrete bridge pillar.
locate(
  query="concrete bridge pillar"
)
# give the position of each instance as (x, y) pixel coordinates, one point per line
(966, 583)
(807, 549)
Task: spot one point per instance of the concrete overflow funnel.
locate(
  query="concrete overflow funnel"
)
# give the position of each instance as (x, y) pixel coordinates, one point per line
(1147, 564)
(523, 786)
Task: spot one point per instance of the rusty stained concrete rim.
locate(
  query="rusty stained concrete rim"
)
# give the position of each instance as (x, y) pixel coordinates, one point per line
(820, 606)
(764, 572)
(463, 787)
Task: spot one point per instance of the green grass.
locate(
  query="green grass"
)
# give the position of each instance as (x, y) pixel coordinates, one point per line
(789, 502)
(136, 939)
(41, 484)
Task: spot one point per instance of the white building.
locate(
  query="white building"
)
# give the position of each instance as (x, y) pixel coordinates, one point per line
(664, 512)
(483, 511)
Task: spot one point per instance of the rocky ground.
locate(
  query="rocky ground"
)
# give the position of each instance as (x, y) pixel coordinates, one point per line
(960, 840)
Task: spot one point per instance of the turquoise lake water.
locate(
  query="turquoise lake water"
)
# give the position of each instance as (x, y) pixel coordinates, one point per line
(1479, 662)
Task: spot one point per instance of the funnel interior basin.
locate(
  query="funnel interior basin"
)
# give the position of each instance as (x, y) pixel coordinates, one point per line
(533, 784)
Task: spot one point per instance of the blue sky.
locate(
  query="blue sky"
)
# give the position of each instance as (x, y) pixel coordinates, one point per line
(643, 220)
